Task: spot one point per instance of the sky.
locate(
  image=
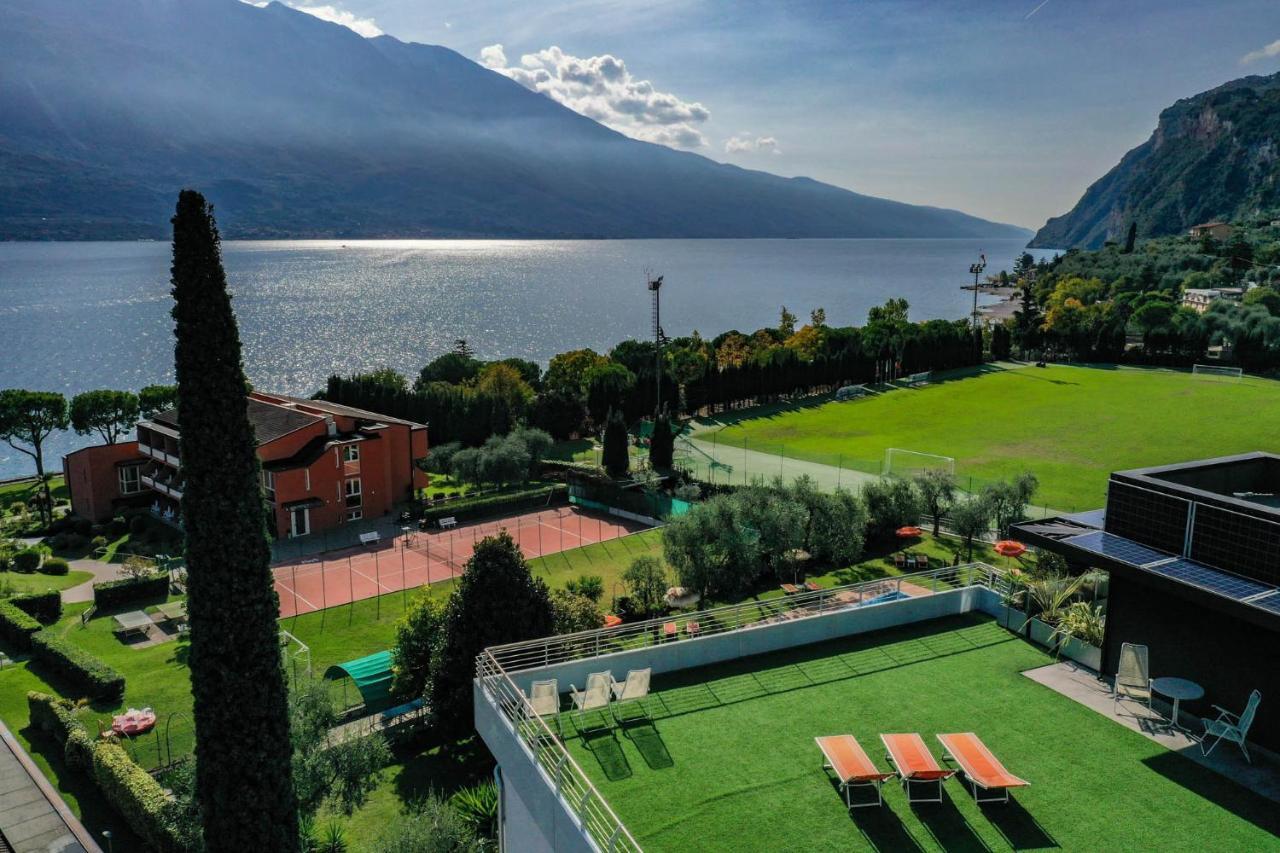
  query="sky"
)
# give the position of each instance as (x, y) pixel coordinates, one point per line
(1006, 109)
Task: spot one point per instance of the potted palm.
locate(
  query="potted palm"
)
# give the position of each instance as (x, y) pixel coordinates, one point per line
(1048, 598)
(1079, 633)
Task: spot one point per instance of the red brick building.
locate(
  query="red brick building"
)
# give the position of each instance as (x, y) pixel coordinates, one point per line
(323, 465)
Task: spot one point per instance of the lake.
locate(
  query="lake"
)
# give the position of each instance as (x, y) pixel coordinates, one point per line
(76, 316)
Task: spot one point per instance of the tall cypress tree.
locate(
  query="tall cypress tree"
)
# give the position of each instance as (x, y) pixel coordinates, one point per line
(243, 780)
(615, 456)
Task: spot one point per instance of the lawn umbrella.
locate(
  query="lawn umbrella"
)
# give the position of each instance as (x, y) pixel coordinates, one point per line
(908, 532)
(1010, 548)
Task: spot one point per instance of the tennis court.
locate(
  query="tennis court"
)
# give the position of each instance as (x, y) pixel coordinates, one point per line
(417, 558)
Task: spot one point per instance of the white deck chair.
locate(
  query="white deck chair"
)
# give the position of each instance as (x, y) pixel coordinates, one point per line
(595, 697)
(544, 698)
(1231, 727)
(1133, 676)
(636, 687)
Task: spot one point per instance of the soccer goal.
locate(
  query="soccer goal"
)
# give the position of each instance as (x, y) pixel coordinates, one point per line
(908, 463)
(1217, 371)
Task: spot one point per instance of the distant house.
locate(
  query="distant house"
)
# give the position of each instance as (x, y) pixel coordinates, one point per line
(1199, 299)
(323, 465)
(1217, 230)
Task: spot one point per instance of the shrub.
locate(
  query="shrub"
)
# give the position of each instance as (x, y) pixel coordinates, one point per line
(77, 752)
(118, 527)
(98, 543)
(590, 586)
(82, 670)
(55, 566)
(82, 527)
(478, 808)
(135, 795)
(27, 560)
(44, 607)
(110, 594)
(137, 524)
(505, 503)
(17, 627)
(52, 715)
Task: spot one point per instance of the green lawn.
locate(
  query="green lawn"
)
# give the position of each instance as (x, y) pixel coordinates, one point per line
(607, 559)
(1072, 426)
(729, 762)
(18, 583)
(26, 490)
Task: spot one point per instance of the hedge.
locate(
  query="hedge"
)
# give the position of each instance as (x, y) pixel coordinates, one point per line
(52, 715)
(16, 626)
(45, 607)
(54, 566)
(111, 594)
(26, 561)
(82, 670)
(138, 797)
(499, 504)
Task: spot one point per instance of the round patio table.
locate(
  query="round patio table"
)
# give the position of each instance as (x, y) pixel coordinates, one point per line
(1177, 689)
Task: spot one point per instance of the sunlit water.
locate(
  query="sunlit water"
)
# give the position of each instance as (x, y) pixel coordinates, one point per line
(75, 316)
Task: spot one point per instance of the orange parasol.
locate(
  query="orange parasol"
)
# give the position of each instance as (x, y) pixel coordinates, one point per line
(908, 532)
(1010, 548)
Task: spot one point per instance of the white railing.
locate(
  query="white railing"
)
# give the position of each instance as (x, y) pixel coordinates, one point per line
(532, 654)
(562, 773)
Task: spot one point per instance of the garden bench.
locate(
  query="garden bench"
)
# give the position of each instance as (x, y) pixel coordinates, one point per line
(373, 537)
(448, 523)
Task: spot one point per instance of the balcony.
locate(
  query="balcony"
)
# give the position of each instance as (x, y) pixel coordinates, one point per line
(159, 454)
(164, 482)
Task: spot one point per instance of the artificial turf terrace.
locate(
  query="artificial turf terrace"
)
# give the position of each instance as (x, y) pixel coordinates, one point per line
(728, 761)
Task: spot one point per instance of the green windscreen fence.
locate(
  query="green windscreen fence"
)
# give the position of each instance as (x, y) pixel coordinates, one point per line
(371, 674)
(639, 501)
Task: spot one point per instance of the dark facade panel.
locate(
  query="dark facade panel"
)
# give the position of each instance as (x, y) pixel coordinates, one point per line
(1147, 516)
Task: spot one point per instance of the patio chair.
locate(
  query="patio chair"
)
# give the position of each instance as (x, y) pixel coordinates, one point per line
(635, 688)
(899, 560)
(982, 769)
(914, 763)
(594, 698)
(1231, 727)
(544, 697)
(1133, 676)
(670, 631)
(846, 757)
(692, 628)
(922, 562)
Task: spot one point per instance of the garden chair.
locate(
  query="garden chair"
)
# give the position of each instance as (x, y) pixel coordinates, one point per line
(544, 698)
(899, 560)
(670, 631)
(594, 698)
(922, 562)
(915, 763)
(1133, 676)
(1231, 727)
(635, 688)
(980, 766)
(846, 757)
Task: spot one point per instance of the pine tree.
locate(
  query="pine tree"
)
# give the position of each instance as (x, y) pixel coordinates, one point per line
(617, 459)
(244, 783)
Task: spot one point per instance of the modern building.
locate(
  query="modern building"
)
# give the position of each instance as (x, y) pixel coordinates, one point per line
(1215, 229)
(1193, 553)
(323, 465)
(1200, 298)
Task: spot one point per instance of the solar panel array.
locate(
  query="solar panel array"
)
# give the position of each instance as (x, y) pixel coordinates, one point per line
(1270, 602)
(1223, 583)
(1116, 547)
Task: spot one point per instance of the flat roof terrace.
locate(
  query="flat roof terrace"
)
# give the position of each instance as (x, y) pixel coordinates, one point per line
(726, 759)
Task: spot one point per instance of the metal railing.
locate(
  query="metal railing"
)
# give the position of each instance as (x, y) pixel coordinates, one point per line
(562, 773)
(532, 654)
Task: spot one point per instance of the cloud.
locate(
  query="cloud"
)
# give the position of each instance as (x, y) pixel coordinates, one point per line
(602, 88)
(746, 142)
(366, 27)
(1271, 50)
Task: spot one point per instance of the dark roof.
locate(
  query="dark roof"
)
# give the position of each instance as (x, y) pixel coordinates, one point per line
(313, 450)
(269, 421)
(347, 411)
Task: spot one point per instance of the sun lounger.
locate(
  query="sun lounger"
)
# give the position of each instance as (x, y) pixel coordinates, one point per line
(789, 589)
(914, 763)
(812, 587)
(982, 769)
(849, 761)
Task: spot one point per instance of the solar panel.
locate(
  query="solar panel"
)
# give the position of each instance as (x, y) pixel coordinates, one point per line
(1116, 547)
(1223, 583)
(1270, 602)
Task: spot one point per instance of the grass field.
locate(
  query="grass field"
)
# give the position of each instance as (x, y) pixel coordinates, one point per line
(1069, 425)
(25, 490)
(19, 583)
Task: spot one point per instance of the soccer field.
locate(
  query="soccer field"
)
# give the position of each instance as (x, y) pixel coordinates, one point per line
(1071, 426)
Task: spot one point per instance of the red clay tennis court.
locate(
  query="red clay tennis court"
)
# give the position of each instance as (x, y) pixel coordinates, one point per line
(418, 558)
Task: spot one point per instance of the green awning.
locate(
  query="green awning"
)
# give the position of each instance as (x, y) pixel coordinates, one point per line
(372, 675)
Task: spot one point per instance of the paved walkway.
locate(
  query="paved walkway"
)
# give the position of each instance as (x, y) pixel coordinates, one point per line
(1084, 686)
(32, 815)
(101, 572)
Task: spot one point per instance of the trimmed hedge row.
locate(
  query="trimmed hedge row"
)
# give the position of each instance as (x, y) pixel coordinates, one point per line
(17, 626)
(84, 671)
(111, 594)
(52, 715)
(466, 508)
(45, 607)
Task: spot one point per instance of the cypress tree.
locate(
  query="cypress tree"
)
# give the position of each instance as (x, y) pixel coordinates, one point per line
(616, 457)
(244, 785)
(662, 443)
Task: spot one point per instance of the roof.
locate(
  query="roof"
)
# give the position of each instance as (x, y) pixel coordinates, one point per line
(371, 673)
(1213, 224)
(314, 449)
(269, 421)
(345, 411)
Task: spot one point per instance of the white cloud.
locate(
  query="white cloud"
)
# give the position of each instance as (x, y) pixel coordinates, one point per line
(1271, 50)
(746, 142)
(366, 27)
(601, 87)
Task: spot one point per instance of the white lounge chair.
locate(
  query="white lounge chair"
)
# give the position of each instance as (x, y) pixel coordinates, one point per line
(544, 698)
(1133, 675)
(636, 687)
(595, 697)
(1231, 727)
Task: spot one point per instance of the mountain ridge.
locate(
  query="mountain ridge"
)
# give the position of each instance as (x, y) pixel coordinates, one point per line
(297, 127)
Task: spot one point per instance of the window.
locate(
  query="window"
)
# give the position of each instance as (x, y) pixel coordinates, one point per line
(269, 485)
(351, 453)
(130, 479)
(354, 514)
(353, 492)
(299, 521)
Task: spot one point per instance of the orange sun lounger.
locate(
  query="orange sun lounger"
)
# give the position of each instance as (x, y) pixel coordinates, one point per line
(852, 767)
(915, 763)
(981, 768)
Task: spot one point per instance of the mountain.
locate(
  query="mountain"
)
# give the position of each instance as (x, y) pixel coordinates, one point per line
(295, 127)
(1212, 156)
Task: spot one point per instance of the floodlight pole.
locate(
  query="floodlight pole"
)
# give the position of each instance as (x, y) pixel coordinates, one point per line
(976, 270)
(655, 287)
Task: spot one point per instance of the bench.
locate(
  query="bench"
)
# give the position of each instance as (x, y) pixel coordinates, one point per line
(373, 537)
(448, 523)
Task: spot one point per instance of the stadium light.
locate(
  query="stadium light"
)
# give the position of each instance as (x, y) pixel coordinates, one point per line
(976, 270)
(655, 287)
